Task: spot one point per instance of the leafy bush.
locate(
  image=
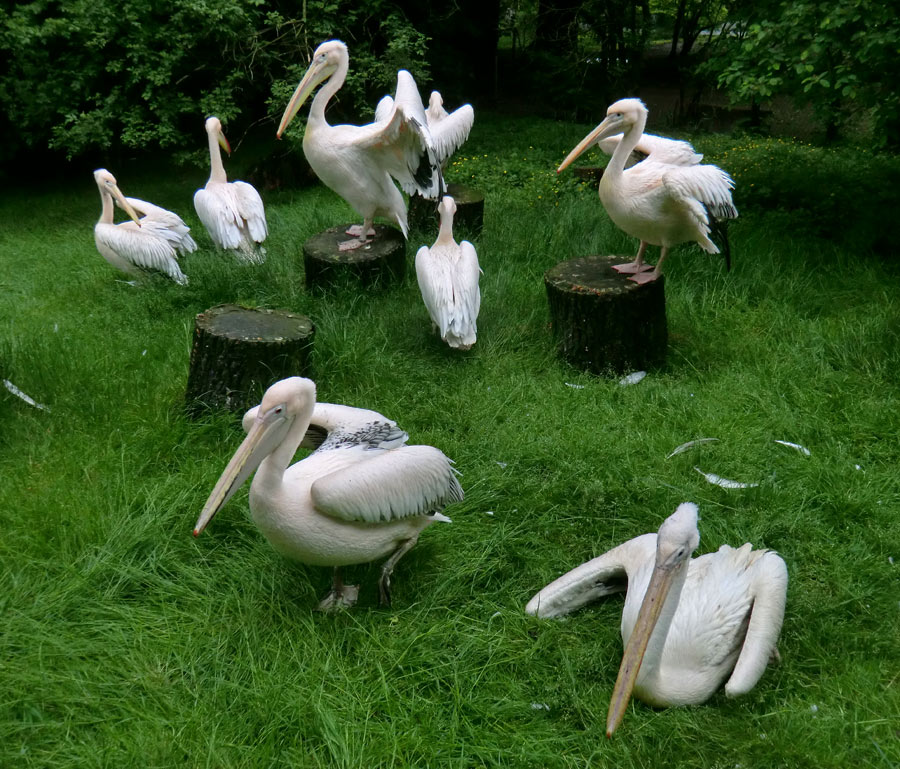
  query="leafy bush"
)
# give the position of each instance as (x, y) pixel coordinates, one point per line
(96, 73)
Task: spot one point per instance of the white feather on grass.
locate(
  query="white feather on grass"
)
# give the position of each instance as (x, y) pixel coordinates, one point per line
(797, 446)
(725, 483)
(689, 445)
(27, 398)
(632, 378)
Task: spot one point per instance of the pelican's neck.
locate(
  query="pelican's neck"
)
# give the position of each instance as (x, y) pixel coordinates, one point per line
(106, 213)
(650, 666)
(217, 170)
(630, 138)
(445, 233)
(329, 89)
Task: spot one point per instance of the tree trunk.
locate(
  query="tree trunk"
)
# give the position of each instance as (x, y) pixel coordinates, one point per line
(602, 322)
(239, 352)
(381, 261)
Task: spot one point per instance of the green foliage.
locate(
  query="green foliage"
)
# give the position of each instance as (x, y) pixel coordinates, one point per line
(840, 55)
(96, 74)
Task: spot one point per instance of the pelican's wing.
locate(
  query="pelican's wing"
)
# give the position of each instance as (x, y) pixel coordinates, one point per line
(436, 287)
(707, 184)
(604, 575)
(466, 298)
(670, 151)
(769, 582)
(388, 485)
(451, 131)
(251, 208)
(383, 109)
(141, 248)
(218, 216)
(403, 142)
(164, 224)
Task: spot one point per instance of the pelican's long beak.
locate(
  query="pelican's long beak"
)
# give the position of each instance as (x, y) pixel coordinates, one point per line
(317, 73)
(256, 446)
(223, 142)
(611, 126)
(124, 204)
(654, 598)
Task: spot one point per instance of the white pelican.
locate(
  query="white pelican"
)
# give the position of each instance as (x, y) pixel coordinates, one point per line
(357, 162)
(232, 212)
(362, 495)
(448, 129)
(448, 279)
(152, 241)
(660, 201)
(688, 625)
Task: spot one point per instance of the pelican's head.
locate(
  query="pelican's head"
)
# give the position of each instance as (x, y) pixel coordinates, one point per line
(435, 101)
(621, 118)
(107, 185)
(676, 540)
(326, 60)
(267, 425)
(214, 128)
(447, 207)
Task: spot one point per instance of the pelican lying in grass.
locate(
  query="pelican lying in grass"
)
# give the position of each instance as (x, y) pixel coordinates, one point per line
(153, 239)
(357, 162)
(362, 495)
(448, 279)
(232, 212)
(688, 625)
(658, 201)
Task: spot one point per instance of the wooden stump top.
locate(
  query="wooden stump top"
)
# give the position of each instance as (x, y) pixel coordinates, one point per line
(468, 221)
(254, 325)
(325, 244)
(595, 275)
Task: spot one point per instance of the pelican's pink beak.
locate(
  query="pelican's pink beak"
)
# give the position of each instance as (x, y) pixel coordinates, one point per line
(611, 126)
(223, 143)
(318, 72)
(124, 204)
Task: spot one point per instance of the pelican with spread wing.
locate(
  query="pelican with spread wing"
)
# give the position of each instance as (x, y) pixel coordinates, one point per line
(232, 212)
(153, 239)
(688, 625)
(359, 162)
(667, 199)
(448, 129)
(362, 495)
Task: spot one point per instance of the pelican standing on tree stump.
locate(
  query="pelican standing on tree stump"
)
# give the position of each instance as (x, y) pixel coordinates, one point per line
(448, 275)
(153, 239)
(232, 212)
(688, 625)
(358, 162)
(361, 496)
(658, 201)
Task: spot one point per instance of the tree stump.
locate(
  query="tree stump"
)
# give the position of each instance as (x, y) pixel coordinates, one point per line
(591, 174)
(602, 322)
(238, 352)
(467, 222)
(381, 261)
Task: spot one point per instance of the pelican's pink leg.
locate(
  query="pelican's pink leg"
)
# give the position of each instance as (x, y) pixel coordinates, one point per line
(648, 277)
(340, 596)
(361, 235)
(637, 266)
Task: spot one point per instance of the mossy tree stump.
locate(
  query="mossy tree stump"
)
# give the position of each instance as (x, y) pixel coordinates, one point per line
(467, 222)
(380, 261)
(238, 352)
(602, 322)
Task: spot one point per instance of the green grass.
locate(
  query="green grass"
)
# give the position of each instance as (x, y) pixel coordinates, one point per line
(126, 642)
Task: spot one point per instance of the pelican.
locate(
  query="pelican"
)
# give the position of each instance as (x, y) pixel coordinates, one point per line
(448, 279)
(658, 201)
(448, 129)
(151, 241)
(357, 162)
(232, 212)
(360, 496)
(688, 625)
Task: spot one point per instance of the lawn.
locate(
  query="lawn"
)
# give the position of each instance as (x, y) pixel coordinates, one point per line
(126, 642)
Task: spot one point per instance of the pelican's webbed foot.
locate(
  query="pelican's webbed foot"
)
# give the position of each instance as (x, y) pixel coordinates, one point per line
(645, 277)
(632, 268)
(340, 596)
